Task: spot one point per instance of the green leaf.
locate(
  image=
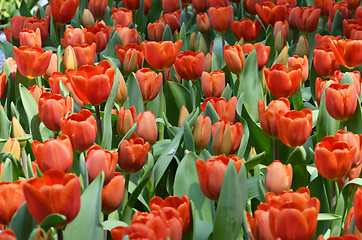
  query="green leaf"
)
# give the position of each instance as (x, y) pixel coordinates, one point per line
(134, 94)
(87, 224)
(245, 138)
(250, 86)
(141, 20)
(217, 62)
(354, 123)
(83, 170)
(155, 11)
(298, 100)
(298, 161)
(183, 37)
(203, 229)
(187, 183)
(188, 138)
(328, 216)
(110, 49)
(7, 172)
(211, 113)
(4, 125)
(22, 223)
(337, 26)
(51, 221)
(7, 48)
(110, 224)
(167, 34)
(347, 79)
(24, 10)
(251, 163)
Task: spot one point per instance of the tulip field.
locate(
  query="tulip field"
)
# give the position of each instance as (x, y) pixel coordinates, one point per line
(181, 119)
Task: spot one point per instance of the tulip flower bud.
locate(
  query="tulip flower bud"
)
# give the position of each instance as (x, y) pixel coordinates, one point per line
(264, 85)
(184, 113)
(126, 120)
(122, 92)
(226, 137)
(155, 30)
(8, 234)
(208, 61)
(112, 194)
(234, 58)
(176, 35)
(202, 45)
(130, 62)
(278, 177)
(281, 34)
(12, 198)
(283, 56)
(87, 18)
(70, 60)
(213, 84)
(302, 47)
(12, 146)
(18, 131)
(193, 41)
(202, 132)
(53, 66)
(147, 127)
(252, 153)
(203, 23)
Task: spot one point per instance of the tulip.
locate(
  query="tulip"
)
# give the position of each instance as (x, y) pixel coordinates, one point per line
(341, 101)
(161, 55)
(141, 231)
(147, 127)
(303, 62)
(320, 86)
(293, 214)
(172, 19)
(7, 234)
(190, 65)
(132, 4)
(323, 5)
(12, 198)
(283, 82)
(262, 53)
(246, 29)
(122, 93)
(213, 84)
(155, 30)
(70, 59)
(32, 62)
(269, 117)
(54, 82)
(184, 113)
(98, 160)
(270, 13)
(306, 18)
(13, 66)
(234, 58)
(52, 107)
(260, 224)
(211, 174)
(98, 8)
(92, 84)
(201, 132)
(225, 109)
(250, 6)
(221, 18)
(112, 194)
(352, 29)
(333, 157)
(54, 184)
(278, 177)
(63, 10)
(356, 77)
(53, 154)
(121, 16)
(324, 62)
(3, 78)
(201, 5)
(322, 41)
(30, 39)
(221, 3)
(347, 225)
(98, 34)
(87, 18)
(342, 7)
(302, 48)
(33, 23)
(203, 23)
(12, 146)
(170, 5)
(67, 84)
(130, 57)
(81, 128)
(53, 66)
(226, 137)
(150, 83)
(132, 154)
(74, 36)
(126, 120)
(17, 25)
(357, 201)
(352, 140)
(128, 35)
(182, 206)
(18, 131)
(85, 54)
(347, 52)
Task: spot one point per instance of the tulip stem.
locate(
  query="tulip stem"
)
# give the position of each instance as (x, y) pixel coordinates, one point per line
(223, 43)
(238, 79)
(125, 194)
(105, 218)
(56, 134)
(60, 234)
(99, 124)
(344, 126)
(333, 195)
(276, 148)
(23, 161)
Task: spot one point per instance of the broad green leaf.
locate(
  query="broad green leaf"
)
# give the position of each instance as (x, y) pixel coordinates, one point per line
(203, 229)
(155, 11)
(114, 40)
(4, 125)
(22, 223)
(354, 123)
(328, 216)
(298, 100)
(244, 139)
(83, 170)
(217, 62)
(188, 138)
(7, 172)
(211, 113)
(110, 224)
(298, 161)
(167, 34)
(337, 26)
(251, 163)
(134, 94)
(51, 221)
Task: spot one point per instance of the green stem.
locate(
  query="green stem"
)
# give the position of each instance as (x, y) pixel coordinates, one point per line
(344, 126)
(333, 195)
(60, 234)
(276, 148)
(99, 124)
(105, 218)
(56, 134)
(23, 161)
(125, 194)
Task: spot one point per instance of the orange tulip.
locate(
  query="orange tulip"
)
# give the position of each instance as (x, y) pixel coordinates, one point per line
(33, 23)
(17, 25)
(221, 18)
(53, 66)
(283, 82)
(189, 65)
(161, 55)
(36, 92)
(260, 224)
(81, 128)
(323, 5)
(294, 127)
(128, 35)
(203, 22)
(172, 19)
(98, 8)
(347, 52)
(352, 140)
(170, 5)
(270, 13)
(54, 81)
(126, 119)
(92, 84)
(201, 132)
(322, 41)
(226, 137)
(30, 38)
(132, 154)
(278, 177)
(342, 7)
(246, 29)
(130, 57)
(306, 18)
(211, 174)
(155, 30)
(12, 197)
(112, 194)
(63, 10)
(225, 109)
(234, 58)
(324, 62)
(303, 62)
(54, 184)
(98, 34)
(7, 234)
(150, 83)
(85, 54)
(121, 16)
(333, 157)
(262, 52)
(12, 146)
(3, 78)
(147, 127)
(269, 117)
(201, 5)
(74, 36)
(348, 225)
(184, 113)
(32, 62)
(213, 84)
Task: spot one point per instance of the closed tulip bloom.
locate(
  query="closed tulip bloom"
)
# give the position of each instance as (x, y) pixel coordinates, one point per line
(201, 132)
(53, 154)
(189, 65)
(17, 25)
(342, 7)
(283, 82)
(324, 62)
(270, 13)
(147, 127)
(40, 194)
(347, 225)
(341, 101)
(70, 59)
(122, 92)
(333, 157)
(323, 5)
(320, 86)
(98, 34)
(63, 10)
(221, 18)
(184, 113)
(161, 55)
(246, 29)
(132, 4)
(357, 202)
(352, 140)
(262, 52)
(98, 160)
(132, 154)
(81, 128)
(128, 35)
(305, 18)
(85, 54)
(126, 119)
(92, 84)
(303, 62)
(98, 8)
(293, 215)
(225, 109)
(278, 177)
(221, 3)
(356, 77)
(87, 18)
(170, 5)
(201, 5)
(18, 131)
(12, 146)
(260, 224)
(213, 84)
(268, 118)
(211, 174)
(131, 57)
(150, 83)
(12, 197)
(347, 52)
(172, 19)
(226, 137)
(203, 23)
(3, 78)
(53, 66)
(155, 30)
(32, 62)
(74, 36)
(30, 38)
(112, 194)
(121, 16)
(234, 58)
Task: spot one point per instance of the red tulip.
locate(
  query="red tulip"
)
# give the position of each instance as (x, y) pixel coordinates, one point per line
(3, 78)
(30, 38)
(306, 18)
(63, 10)
(12, 197)
(348, 225)
(278, 177)
(234, 58)
(98, 34)
(98, 8)
(41, 193)
(53, 154)
(226, 137)
(155, 30)
(92, 84)
(147, 127)
(303, 62)
(225, 109)
(189, 65)
(112, 194)
(246, 29)
(201, 132)
(352, 29)
(322, 41)
(121, 16)
(85, 54)
(270, 13)
(347, 52)
(295, 127)
(221, 18)
(262, 52)
(281, 34)
(203, 22)
(7, 234)
(201, 5)
(126, 120)
(323, 5)
(170, 5)
(324, 62)
(36, 92)
(81, 128)
(128, 35)
(74, 36)
(352, 140)
(130, 57)
(150, 83)
(54, 81)
(17, 25)
(172, 19)
(342, 7)
(260, 224)
(211, 174)
(33, 23)
(213, 84)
